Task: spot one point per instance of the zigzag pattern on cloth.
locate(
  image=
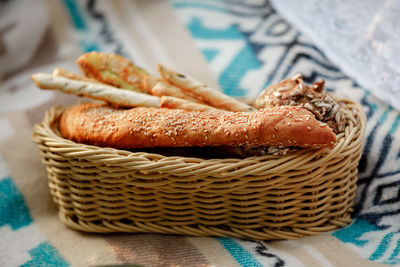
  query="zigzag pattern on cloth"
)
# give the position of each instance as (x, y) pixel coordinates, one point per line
(249, 46)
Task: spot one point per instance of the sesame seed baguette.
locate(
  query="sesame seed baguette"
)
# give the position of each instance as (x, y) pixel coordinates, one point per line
(142, 127)
(110, 94)
(202, 91)
(179, 103)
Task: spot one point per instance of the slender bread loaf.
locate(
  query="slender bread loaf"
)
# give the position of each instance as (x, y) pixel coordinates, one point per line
(158, 127)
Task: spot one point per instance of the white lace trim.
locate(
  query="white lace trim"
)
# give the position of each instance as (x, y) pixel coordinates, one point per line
(361, 37)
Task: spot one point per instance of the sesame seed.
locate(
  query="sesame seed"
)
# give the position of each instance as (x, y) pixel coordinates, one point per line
(310, 95)
(308, 106)
(277, 94)
(308, 128)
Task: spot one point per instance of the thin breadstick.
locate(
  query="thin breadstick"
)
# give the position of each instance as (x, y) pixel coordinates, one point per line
(202, 91)
(149, 81)
(123, 98)
(178, 103)
(70, 75)
(166, 89)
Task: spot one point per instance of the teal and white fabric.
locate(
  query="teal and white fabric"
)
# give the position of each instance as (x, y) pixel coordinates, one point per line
(257, 46)
(22, 242)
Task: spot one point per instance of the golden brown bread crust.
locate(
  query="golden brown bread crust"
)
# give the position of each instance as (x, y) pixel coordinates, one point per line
(154, 127)
(113, 69)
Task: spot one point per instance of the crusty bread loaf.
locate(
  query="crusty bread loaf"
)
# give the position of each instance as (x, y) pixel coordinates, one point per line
(158, 127)
(294, 92)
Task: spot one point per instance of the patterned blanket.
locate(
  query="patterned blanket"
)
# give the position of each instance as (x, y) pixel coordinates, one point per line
(238, 47)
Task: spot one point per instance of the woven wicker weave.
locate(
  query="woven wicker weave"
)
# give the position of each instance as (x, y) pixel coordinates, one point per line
(268, 197)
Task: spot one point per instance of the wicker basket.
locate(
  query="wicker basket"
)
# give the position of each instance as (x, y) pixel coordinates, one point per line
(268, 197)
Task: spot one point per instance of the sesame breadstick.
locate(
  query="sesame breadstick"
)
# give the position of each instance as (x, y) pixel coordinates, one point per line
(165, 89)
(158, 127)
(70, 75)
(201, 91)
(110, 94)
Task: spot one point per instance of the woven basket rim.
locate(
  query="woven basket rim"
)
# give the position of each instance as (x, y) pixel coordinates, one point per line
(46, 133)
(312, 190)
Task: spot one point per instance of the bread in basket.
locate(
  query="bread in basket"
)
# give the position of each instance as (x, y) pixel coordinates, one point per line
(103, 189)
